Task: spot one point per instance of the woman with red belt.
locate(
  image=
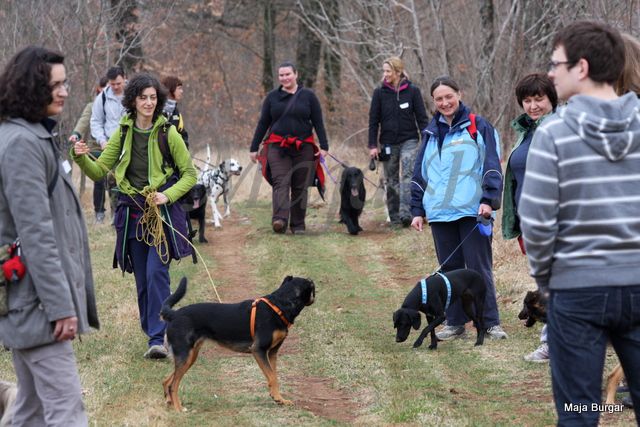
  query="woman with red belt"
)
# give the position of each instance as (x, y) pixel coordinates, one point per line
(289, 115)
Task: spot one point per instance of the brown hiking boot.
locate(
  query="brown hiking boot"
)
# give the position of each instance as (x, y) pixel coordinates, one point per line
(279, 226)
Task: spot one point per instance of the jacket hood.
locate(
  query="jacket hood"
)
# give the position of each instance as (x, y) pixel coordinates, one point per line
(610, 128)
(404, 84)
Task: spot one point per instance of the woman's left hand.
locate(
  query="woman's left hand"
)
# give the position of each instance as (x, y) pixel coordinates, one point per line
(160, 199)
(323, 153)
(485, 210)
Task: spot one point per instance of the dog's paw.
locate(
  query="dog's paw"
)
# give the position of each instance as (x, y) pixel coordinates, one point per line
(433, 346)
(203, 240)
(417, 344)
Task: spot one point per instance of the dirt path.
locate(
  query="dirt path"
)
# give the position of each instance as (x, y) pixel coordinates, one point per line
(236, 281)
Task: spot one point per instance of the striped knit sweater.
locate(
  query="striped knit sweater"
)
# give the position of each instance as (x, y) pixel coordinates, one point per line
(580, 205)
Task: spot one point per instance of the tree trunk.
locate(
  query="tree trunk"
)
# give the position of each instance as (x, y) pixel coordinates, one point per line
(269, 45)
(308, 49)
(484, 95)
(127, 33)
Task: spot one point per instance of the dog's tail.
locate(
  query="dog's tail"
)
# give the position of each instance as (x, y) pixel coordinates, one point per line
(167, 313)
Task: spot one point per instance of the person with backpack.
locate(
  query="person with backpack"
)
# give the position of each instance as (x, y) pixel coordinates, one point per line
(106, 113)
(48, 299)
(153, 169)
(456, 185)
(396, 117)
(290, 156)
(174, 85)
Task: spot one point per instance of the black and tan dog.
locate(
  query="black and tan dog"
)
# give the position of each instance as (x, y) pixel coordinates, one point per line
(352, 198)
(252, 326)
(534, 310)
(466, 285)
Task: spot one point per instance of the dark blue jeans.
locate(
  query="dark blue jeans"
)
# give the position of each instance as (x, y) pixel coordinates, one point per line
(474, 254)
(581, 322)
(152, 283)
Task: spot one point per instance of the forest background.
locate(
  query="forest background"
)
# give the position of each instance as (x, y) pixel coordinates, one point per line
(227, 52)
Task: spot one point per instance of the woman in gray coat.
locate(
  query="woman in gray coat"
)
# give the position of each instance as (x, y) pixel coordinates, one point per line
(54, 301)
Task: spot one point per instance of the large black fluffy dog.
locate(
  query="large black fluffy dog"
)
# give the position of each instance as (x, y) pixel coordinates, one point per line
(199, 209)
(252, 326)
(466, 285)
(352, 198)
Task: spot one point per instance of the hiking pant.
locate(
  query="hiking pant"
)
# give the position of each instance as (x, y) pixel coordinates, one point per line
(474, 254)
(398, 171)
(292, 172)
(101, 186)
(581, 322)
(49, 392)
(152, 284)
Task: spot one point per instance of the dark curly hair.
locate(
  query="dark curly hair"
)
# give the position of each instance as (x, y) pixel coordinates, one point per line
(136, 86)
(24, 84)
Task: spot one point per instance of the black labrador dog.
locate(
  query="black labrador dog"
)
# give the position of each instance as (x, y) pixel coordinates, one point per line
(533, 309)
(252, 326)
(352, 198)
(466, 285)
(199, 209)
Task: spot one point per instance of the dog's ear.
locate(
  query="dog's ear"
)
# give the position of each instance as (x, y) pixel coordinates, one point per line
(288, 278)
(396, 315)
(415, 319)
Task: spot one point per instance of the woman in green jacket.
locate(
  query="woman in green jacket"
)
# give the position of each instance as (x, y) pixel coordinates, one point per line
(146, 175)
(537, 97)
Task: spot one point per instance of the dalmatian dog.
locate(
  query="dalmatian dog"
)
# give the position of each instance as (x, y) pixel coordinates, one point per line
(217, 182)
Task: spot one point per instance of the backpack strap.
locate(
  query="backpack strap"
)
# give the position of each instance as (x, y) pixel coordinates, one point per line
(472, 128)
(163, 144)
(104, 100)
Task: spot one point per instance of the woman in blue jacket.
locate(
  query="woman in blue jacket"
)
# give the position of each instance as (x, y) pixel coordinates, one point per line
(396, 117)
(457, 178)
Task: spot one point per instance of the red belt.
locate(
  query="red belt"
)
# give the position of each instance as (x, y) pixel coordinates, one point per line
(288, 141)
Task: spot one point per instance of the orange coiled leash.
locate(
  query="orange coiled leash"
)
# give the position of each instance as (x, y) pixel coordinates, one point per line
(252, 324)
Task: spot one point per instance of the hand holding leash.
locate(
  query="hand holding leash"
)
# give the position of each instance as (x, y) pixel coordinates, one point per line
(254, 156)
(80, 148)
(417, 222)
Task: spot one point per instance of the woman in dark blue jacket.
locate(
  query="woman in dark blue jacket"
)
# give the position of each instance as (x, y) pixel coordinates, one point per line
(457, 178)
(396, 117)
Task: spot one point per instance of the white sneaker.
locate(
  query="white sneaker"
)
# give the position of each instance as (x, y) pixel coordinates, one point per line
(496, 333)
(450, 332)
(156, 352)
(539, 355)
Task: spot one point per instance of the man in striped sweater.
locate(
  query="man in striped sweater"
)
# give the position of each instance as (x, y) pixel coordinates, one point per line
(580, 217)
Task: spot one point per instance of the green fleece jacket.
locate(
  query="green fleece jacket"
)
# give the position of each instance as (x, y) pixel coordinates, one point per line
(510, 222)
(120, 157)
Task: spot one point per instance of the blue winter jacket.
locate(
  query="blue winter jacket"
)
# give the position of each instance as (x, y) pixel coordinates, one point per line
(450, 182)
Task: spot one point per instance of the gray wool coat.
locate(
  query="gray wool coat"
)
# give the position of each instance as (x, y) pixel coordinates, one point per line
(53, 234)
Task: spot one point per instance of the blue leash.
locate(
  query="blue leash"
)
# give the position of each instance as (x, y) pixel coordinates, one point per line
(454, 251)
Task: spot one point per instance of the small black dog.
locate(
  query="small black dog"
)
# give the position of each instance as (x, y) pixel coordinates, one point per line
(352, 198)
(466, 285)
(533, 309)
(199, 209)
(252, 326)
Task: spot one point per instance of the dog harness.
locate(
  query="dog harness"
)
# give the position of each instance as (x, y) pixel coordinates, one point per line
(254, 306)
(423, 285)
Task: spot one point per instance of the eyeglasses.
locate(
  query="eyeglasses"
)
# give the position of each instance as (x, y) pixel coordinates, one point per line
(57, 86)
(552, 65)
